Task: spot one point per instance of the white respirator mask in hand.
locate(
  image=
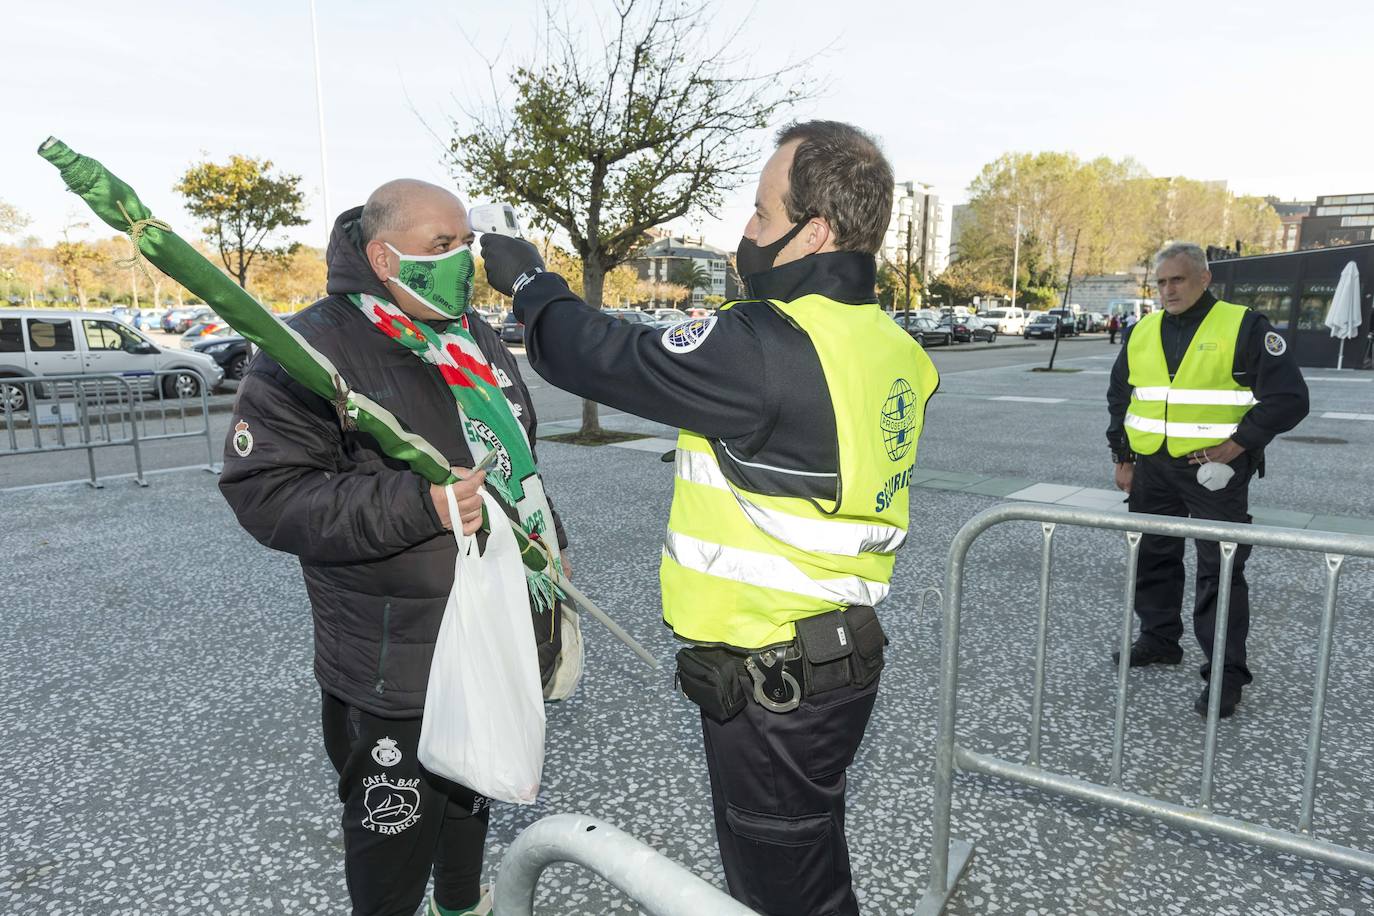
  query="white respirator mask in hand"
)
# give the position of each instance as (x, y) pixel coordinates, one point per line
(1214, 475)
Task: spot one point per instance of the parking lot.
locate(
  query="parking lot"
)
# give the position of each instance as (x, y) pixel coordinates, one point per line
(162, 720)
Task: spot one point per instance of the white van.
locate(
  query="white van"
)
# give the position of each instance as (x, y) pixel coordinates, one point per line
(39, 342)
(1009, 320)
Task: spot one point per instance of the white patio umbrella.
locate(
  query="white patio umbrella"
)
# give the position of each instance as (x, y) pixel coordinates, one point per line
(1343, 317)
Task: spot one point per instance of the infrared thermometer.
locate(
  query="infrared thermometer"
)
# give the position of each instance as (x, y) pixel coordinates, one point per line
(498, 218)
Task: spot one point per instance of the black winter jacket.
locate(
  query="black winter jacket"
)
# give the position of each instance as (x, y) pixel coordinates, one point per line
(377, 562)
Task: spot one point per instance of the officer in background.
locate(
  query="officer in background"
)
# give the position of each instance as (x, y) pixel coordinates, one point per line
(1198, 391)
(799, 409)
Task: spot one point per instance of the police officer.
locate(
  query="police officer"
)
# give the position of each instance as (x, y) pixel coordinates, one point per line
(1198, 391)
(799, 409)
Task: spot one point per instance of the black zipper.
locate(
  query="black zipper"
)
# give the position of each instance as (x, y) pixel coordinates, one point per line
(380, 686)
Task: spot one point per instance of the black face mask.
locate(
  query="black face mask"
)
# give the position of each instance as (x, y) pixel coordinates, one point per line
(755, 259)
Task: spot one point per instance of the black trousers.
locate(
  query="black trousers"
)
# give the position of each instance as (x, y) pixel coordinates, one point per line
(777, 786)
(399, 820)
(1168, 486)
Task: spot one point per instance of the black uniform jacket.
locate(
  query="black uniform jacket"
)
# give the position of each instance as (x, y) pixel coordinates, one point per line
(752, 382)
(377, 562)
(1275, 380)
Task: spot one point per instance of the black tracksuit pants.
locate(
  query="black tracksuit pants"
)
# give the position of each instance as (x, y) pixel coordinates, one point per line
(1163, 485)
(777, 786)
(399, 820)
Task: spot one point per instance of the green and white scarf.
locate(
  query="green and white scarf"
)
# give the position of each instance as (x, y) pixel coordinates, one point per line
(489, 423)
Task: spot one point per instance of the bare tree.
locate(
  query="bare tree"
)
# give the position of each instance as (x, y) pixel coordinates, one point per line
(609, 136)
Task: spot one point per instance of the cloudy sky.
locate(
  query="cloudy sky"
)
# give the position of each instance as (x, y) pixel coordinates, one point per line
(1270, 96)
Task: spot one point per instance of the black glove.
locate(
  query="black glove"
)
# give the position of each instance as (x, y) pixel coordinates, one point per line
(508, 259)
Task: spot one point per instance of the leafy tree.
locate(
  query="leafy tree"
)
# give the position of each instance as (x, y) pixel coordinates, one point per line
(242, 204)
(77, 261)
(611, 134)
(901, 283)
(958, 284)
(657, 291)
(12, 219)
(292, 278)
(622, 285)
(690, 275)
(1120, 214)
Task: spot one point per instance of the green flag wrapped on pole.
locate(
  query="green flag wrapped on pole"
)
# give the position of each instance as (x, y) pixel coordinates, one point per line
(117, 204)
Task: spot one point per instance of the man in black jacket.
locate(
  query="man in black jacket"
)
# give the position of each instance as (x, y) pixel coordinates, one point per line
(1176, 361)
(375, 546)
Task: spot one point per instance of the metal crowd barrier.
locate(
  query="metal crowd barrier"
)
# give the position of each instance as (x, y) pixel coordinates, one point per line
(949, 857)
(91, 411)
(658, 884)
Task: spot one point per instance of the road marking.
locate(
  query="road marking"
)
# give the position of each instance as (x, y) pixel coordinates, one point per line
(1332, 415)
(1095, 372)
(1327, 378)
(1012, 397)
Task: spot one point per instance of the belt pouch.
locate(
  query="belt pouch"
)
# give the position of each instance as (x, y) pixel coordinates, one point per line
(711, 678)
(826, 646)
(869, 639)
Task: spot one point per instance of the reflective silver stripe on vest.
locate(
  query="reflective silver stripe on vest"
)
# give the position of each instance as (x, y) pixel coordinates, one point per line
(1199, 430)
(846, 538)
(1242, 398)
(769, 571)
(1181, 430)
(1145, 424)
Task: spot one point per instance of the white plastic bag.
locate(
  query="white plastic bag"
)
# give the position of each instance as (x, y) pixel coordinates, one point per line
(484, 711)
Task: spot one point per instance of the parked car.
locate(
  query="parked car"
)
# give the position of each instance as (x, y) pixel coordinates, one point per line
(1043, 324)
(177, 320)
(1072, 321)
(43, 342)
(492, 317)
(925, 331)
(201, 329)
(230, 351)
(699, 312)
(673, 315)
(1094, 322)
(970, 329)
(512, 331)
(1009, 320)
(634, 316)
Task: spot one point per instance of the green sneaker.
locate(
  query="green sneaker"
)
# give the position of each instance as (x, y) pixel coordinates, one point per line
(482, 907)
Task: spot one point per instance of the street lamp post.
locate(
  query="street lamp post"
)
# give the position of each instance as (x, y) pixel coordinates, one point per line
(1016, 257)
(319, 108)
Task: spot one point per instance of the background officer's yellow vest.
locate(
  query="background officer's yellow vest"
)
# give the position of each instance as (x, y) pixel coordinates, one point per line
(1203, 404)
(740, 567)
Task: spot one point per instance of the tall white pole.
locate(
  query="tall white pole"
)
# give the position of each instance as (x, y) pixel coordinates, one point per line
(1016, 257)
(319, 108)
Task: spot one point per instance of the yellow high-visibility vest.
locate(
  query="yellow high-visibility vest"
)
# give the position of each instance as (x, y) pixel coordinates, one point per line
(1202, 405)
(740, 567)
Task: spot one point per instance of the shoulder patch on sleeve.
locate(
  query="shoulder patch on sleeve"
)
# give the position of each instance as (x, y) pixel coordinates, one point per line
(686, 336)
(243, 439)
(1275, 344)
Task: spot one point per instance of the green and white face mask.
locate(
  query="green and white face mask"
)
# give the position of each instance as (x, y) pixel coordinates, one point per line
(441, 281)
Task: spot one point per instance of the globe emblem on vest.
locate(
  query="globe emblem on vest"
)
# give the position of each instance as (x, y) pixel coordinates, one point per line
(899, 419)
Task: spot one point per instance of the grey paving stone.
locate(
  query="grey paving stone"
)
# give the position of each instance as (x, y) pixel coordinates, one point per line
(999, 486)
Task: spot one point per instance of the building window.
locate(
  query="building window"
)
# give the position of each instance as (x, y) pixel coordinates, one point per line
(1313, 305)
(1273, 300)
